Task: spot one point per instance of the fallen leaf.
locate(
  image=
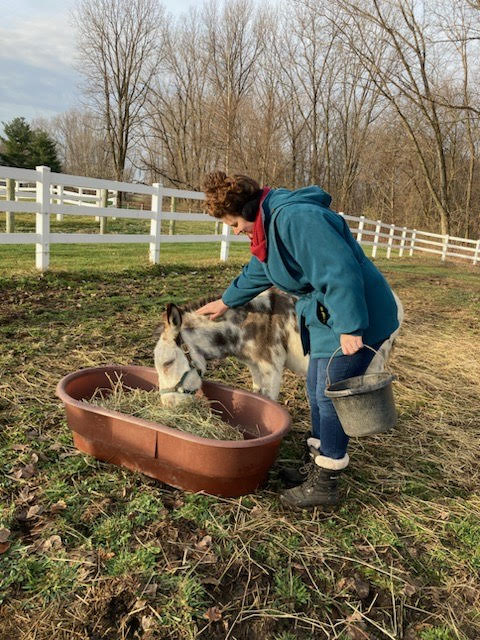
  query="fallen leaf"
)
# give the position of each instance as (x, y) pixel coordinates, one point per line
(139, 604)
(4, 533)
(356, 616)
(208, 558)
(105, 555)
(345, 584)
(4, 546)
(55, 542)
(207, 580)
(151, 590)
(19, 447)
(25, 495)
(147, 623)
(34, 458)
(204, 543)
(213, 614)
(34, 511)
(58, 506)
(28, 471)
(409, 589)
(354, 633)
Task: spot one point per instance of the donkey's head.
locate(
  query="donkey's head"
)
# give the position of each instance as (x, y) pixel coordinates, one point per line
(178, 372)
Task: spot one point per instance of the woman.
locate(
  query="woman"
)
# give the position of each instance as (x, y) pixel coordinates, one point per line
(303, 247)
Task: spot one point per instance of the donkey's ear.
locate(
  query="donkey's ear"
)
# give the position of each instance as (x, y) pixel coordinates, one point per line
(174, 316)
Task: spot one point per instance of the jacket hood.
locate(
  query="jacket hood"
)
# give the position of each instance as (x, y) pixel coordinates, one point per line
(307, 195)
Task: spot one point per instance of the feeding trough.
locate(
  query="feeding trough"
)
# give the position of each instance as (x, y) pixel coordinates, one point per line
(180, 459)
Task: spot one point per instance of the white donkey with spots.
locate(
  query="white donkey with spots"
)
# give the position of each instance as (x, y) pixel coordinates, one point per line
(262, 333)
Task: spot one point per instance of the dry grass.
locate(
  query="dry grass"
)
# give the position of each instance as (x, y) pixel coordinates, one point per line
(194, 415)
(100, 553)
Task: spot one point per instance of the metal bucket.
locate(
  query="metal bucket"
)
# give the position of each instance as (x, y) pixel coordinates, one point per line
(364, 404)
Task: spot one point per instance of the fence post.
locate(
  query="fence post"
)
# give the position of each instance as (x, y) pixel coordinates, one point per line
(217, 227)
(378, 226)
(412, 241)
(361, 224)
(9, 215)
(476, 255)
(59, 200)
(445, 247)
(98, 204)
(103, 203)
(173, 208)
(42, 219)
(225, 244)
(390, 240)
(402, 242)
(156, 223)
(114, 201)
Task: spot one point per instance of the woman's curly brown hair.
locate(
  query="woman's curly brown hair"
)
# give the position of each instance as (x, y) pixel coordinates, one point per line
(228, 194)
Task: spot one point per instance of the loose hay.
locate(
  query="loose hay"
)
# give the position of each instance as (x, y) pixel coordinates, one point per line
(194, 415)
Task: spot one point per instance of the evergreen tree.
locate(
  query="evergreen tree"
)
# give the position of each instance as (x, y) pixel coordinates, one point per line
(44, 151)
(16, 146)
(26, 148)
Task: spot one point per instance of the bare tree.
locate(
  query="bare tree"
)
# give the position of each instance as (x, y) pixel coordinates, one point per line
(308, 76)
(460, 26)
(118, 50)
(83, 144)
(234, 41)
(177, 134)
(407, 75)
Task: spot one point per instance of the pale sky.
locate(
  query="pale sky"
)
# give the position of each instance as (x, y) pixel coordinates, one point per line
(37, 49)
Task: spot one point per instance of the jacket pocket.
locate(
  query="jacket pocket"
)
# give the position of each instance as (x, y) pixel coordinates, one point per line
(322, 313)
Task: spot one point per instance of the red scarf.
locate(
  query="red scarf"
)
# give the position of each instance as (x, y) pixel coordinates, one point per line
(258, 244)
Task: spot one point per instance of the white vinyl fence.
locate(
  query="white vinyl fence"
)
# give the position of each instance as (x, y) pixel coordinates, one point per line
(44, 193)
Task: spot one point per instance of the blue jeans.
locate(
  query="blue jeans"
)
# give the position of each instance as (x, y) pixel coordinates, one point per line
(325, 423)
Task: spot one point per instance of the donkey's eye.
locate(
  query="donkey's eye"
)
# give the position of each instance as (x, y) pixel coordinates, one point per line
(168, 364)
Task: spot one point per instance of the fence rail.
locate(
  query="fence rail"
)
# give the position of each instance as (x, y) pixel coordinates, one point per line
(46, 193)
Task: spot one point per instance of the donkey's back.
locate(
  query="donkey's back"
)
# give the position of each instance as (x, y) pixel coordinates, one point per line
(263, 334)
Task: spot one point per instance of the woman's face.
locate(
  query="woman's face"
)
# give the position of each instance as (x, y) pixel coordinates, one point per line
(239, 224)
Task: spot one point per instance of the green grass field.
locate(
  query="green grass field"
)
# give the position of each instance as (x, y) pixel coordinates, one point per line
(92, 551)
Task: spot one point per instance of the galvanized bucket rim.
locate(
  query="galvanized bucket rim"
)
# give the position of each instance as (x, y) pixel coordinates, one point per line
(387, 378)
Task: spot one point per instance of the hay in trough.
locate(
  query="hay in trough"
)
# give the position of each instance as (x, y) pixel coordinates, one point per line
(194, 415)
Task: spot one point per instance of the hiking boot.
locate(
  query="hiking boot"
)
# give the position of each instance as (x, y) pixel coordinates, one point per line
(321, 485)
(292, 476)
(319, 489)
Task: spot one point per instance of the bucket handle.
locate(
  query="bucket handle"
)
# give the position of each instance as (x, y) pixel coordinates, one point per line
(338, 349)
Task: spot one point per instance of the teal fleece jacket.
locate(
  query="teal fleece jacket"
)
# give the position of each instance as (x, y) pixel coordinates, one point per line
(312, 254)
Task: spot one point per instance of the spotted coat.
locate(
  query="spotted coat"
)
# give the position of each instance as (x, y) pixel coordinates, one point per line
(262, 333)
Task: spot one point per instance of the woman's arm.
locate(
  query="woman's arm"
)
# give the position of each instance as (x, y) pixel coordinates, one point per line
(251, 281)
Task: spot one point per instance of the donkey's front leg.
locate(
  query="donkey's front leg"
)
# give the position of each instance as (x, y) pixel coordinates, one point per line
(256, 376)
(270, 377)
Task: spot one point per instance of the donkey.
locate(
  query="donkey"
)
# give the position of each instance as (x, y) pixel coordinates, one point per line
(263, 334)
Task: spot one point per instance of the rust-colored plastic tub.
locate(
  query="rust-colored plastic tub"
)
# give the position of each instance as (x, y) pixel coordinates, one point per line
(182, 460)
